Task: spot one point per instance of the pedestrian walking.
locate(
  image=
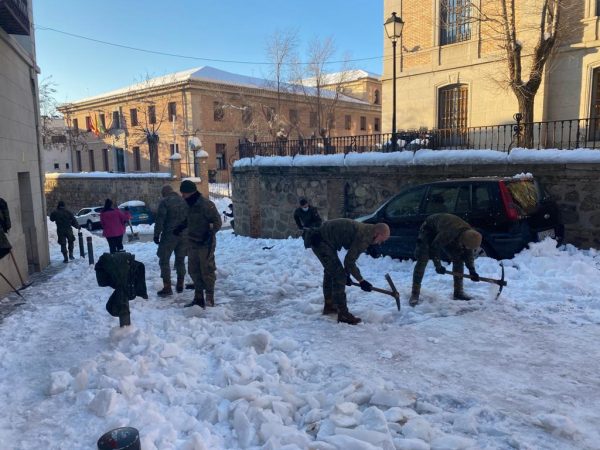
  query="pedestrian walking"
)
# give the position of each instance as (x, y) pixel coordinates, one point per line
(172, 211)
(113, 222)
(65, 221)
(5, 225)
(448, 233)
(202, 223)
(307, 216)
(325, 242)
(230, 215)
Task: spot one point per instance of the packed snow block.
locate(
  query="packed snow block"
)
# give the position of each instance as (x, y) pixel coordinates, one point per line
(557, 424)
(59, 382)
(418, 428)
(399, 397)
(104, 402)
(280, 435)
(411, 444)
(451, 442)
(382, 441)
(259, 340)
(349, 443)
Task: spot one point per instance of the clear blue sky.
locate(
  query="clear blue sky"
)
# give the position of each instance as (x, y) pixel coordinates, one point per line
(220, 29)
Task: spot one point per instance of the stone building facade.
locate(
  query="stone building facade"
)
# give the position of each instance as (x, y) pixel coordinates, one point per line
(21, 172)
(215, 107)
(454, 71)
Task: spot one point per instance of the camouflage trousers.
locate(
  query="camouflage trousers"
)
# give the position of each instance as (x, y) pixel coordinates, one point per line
(63, 239)
(422, 255)
(164, 252)
(202, 267)
(334, 276)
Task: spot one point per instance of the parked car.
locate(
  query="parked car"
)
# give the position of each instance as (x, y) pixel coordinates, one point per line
(139, 212)
(89, 217)
(509, 212)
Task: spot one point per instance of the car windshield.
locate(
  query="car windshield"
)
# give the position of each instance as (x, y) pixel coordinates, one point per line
(525, 194)
(137, 209)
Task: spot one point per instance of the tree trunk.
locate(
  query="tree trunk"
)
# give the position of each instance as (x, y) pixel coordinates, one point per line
(153, 152)
(526, 102)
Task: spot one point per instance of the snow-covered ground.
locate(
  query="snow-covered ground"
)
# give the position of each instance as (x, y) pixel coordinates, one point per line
(264, 369)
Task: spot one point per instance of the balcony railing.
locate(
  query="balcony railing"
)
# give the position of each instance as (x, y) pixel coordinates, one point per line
(559, 134)
(14, 16)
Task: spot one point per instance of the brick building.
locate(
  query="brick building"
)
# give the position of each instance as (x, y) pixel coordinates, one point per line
(110, 132)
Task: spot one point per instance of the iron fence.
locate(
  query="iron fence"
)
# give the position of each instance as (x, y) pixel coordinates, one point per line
(558, 134)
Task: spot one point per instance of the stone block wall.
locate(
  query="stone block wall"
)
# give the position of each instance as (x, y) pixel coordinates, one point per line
(265, 196)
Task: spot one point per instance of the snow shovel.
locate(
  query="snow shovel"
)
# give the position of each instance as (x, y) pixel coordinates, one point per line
(15, 290)
(501, 282)
(394, 292)
(24, 285)
(133, 236)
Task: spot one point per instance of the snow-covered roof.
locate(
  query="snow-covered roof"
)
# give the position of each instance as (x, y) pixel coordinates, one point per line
(211, 75)
(109, 175)
(345, 77)
(132, 203)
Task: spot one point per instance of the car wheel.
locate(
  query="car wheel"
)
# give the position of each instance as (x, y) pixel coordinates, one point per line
(89, 225)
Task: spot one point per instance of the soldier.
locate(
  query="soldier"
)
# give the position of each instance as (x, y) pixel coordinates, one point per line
(456, 237)
(4, 227)
(202, 223)
(172, 211)
(325, 243)
(307, 216)
(64, 221)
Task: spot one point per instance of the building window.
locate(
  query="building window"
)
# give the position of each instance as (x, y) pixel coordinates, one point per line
(347, 122)
(78, 160)
(218, 112)
(116, 120)
(331, 121)
(75, 125)
(92, 161)
(376, 125)
(66, 165)
(172, 111)
(105, 159)
(376, 98)
(455, 25)
(152, 114)
(56, 165)
(221, 157)
(88, 123)
(314, 120)
(598, 7)
(294, 116)
(363, 123)
(453, 107)
(137, 159)
(247, 115)
(103, 121)
(133, 118)
(269, 113)
(58, 139)
(174, 148)
(595, 106)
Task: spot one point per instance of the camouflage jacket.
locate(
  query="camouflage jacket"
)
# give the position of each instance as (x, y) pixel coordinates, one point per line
(351, 235)
(64, 221)
(307, 219)
(172, 211)
(442, 232)
(201, 215)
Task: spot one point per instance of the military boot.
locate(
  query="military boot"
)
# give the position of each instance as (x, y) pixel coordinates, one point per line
(198, 300)
(329, 307)
(210, 298)
(179, 285)
(166, 290)
(71, 257)
(414, 295)
(65, 259)
(347, 317)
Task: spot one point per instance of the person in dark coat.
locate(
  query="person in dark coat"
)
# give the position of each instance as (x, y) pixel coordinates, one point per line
(113, 222)
(307, 216)
(172, 210)
(65, 220)
(5, 225)
(230, 215)
(325, 242)
(202, 223)
(457, 239)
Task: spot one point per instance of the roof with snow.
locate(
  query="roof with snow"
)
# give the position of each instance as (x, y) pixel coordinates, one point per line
(342, 77)
(212, 75)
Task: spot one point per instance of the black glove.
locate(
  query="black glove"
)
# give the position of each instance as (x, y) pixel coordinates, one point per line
(474, 275)
(348, 280)
(366, 286)
(178, 229)
(156, 240)
(440, 269)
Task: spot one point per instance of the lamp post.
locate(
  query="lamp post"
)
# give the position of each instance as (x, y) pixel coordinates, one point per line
(393, 28)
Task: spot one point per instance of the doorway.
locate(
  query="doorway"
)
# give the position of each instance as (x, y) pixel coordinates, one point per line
(28, 222)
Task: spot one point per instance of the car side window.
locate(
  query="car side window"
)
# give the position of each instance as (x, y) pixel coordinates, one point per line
(441, 199)
(481, 199)
(463, 200)
(405, 204)
(83, 211)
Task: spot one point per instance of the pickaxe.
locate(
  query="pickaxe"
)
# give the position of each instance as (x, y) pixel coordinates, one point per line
(499, 282)
(15, 290)
(394, 292)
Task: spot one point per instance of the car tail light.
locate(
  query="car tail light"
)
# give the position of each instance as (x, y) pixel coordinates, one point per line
(509, 206)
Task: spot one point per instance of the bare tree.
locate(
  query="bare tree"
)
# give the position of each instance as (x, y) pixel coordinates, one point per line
(48, 105)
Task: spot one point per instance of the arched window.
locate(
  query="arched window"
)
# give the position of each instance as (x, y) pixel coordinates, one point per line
(376, 98)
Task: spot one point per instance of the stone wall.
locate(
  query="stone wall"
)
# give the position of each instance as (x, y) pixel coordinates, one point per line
(265, 197)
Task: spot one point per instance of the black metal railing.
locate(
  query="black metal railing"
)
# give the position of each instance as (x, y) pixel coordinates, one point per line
(558, 134)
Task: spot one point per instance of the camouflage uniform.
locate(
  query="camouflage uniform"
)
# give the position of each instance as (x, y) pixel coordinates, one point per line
(325, 242)
(202, 241)
(307, 219)
(172, 211)
(4, 227)
(64, 221)
(442, 232)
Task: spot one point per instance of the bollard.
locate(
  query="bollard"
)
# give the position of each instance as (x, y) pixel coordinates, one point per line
(81, 249)
(90, 250)
(125, 438)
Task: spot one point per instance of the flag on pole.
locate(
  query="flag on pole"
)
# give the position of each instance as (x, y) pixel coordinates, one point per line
(94, 125)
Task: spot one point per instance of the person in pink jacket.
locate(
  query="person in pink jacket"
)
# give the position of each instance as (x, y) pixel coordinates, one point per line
(113, 222)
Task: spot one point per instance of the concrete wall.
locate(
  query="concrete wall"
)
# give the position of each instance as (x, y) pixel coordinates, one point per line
(265, 197)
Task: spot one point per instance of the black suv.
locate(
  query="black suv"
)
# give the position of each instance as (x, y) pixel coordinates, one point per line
(509, 212)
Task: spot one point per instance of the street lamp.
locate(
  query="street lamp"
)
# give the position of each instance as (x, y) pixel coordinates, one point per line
(393, 28)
